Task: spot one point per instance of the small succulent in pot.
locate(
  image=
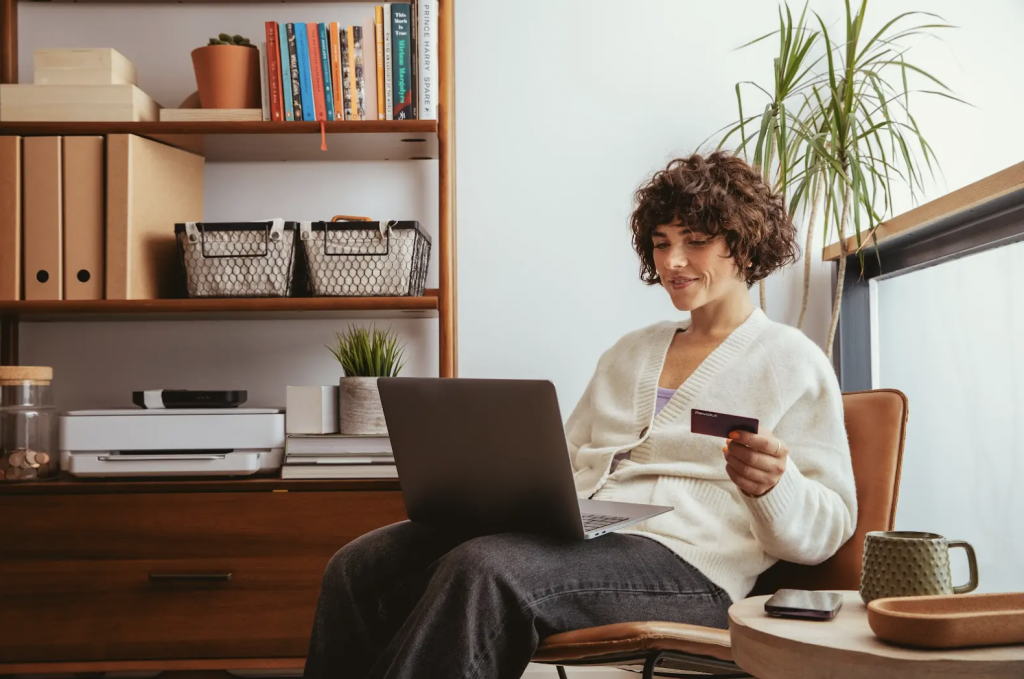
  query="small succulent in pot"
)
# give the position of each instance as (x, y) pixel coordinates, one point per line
(227, 77)
(225, 39)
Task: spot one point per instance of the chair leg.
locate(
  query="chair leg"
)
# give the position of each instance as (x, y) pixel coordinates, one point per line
(650, 664)
(561, 672)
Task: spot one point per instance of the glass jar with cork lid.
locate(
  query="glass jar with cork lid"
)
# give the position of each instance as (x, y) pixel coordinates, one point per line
(28, 425)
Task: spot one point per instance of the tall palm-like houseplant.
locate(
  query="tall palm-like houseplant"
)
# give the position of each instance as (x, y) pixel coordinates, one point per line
(837, 134)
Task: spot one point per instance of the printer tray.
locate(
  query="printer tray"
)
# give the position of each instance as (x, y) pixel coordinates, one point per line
(105, 464)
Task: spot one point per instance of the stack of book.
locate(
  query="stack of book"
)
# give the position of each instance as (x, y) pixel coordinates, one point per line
(383, 69)
(337, 456)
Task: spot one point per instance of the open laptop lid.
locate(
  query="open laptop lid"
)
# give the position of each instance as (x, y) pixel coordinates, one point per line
(484, 456)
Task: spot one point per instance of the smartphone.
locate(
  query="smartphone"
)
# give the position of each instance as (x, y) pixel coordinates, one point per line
(799, 603)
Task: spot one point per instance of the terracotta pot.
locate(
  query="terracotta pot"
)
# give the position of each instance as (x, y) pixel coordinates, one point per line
(228, 76)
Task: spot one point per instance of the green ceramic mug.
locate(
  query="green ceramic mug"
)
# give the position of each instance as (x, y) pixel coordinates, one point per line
(904, 563)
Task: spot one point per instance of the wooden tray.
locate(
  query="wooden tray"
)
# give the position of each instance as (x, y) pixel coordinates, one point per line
(949, 621)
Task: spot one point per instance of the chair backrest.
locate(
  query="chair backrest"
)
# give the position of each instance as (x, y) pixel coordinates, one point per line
(876, 423)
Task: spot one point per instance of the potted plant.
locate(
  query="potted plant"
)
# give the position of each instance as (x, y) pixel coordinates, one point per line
(364, 356)
(836, 135)
(228, 73)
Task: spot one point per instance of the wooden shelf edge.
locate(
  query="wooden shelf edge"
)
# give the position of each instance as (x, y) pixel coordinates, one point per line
(966, 198)
(66, 484)
(28, 308)
(209, 127)
(151, 665)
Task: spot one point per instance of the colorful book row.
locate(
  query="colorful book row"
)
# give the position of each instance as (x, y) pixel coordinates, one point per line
(384, 69)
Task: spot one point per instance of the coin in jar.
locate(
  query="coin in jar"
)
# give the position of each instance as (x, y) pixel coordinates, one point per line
(27, 474)
(30, 459)
(43, 458)
(17, 458)
(13, 474)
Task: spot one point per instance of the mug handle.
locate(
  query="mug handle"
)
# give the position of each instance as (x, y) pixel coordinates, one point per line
(972, 564)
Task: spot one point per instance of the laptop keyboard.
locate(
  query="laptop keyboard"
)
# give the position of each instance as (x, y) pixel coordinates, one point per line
(595, 521)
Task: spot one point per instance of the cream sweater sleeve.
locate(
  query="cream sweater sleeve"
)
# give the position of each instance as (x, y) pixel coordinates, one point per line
(812, 511)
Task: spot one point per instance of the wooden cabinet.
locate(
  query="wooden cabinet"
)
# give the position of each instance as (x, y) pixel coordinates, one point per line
(150, 574)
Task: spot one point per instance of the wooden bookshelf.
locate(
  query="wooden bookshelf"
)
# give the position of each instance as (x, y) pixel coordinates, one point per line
(82, 549)
(258, 141)
(228, 308)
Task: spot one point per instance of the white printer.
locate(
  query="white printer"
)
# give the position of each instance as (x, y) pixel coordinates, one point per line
(172, 442)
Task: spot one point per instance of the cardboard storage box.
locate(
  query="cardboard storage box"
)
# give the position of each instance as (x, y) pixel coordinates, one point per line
(150, 187)
(92, 66)
(76, 103)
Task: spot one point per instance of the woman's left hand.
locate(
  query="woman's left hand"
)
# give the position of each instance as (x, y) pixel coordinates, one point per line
(755, 462)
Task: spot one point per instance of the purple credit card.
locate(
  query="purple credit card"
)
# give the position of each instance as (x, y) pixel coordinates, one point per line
(719, 424)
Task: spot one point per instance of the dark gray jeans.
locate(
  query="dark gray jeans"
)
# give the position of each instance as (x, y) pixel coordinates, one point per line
(408, 601)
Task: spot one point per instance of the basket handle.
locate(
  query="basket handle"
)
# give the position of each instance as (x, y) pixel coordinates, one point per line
(272, 231)
(385, 232)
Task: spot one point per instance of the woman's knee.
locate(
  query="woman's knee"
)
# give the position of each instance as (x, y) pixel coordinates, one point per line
(366, 552)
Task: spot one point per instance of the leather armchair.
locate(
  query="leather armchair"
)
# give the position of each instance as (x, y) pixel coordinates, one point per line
(876, 427)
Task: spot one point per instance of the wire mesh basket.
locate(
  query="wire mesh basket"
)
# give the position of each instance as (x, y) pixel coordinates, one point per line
(362, 258)
(238, 259)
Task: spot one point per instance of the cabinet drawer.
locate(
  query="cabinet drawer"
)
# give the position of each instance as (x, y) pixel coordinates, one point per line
(190, 525)
(152, 609)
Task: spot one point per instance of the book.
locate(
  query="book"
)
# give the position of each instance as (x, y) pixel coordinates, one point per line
(305, 76)
(287, 109)
(309, 459)
(261, 50)
(296, 78)
(273, 57)
(355, 34)
(336, 444)
(401, 61)
(339, 110)
(378, 26)
(312, 471)
(316, 72)
(389, 95)
(346, 90)
(426, 50)
(324, 54)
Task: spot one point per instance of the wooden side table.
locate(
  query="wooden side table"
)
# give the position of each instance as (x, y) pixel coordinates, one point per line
(846, 648)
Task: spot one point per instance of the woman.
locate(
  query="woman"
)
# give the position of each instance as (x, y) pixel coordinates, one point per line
(407, 601)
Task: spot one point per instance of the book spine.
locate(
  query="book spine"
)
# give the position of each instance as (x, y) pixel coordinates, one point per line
(389, 93)
(346, 73)
(353, 90)
(274, 72)
(401, 61)
(325, 68)
(261, 55)
(287, 109)
(370, 69)
(316, 73)
(305, 77)
(339, 109)
(378, 25)
(426, 93)
(296, 77)
(414, 43)
(360, 103)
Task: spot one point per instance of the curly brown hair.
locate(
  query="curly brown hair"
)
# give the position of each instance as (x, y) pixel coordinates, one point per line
(717, 195)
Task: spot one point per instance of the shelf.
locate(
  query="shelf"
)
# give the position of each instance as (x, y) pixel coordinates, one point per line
(256, 141)
(235, 309)
(66, 484)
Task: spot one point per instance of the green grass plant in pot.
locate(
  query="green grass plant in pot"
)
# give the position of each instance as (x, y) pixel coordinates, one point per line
(228, 73)
(365, 355)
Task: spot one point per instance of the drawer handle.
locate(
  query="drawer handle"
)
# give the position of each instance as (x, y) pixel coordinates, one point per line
(189, 577)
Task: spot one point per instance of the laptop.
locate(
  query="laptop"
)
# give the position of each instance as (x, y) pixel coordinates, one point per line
(490, 456)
